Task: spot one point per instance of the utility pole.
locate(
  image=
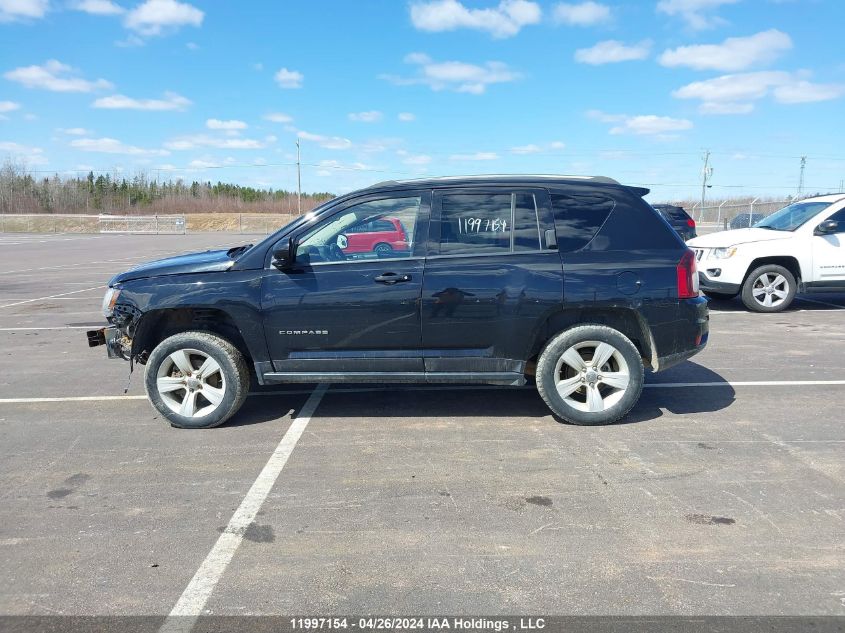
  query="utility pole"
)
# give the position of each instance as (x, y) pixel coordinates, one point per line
(298, 182)
(706, 175)
(801, 177)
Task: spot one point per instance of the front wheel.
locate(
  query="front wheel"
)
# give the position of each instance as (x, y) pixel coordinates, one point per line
(590, 375)
(769, 288)
(196, 380)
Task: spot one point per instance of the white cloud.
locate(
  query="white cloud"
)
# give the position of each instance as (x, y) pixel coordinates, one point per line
(217, 124)
(533, 148)
(715, 107)
(182, 143)
(328, 142)
(371, 116)
(8, 106)
(153, 17)
(803, 91)
(453, 75)
(612, 51)
(113, 146)
(288, 78)
(12, 10)
(733, 88)
(406, 117)
(417, 160)
(582, 14)
(278, 117)
(98, 7)
(504, 20)
(73, 131)
(199, 163)
(55, 76)
(696, 13)
(23, 153)
(733, 94)
(735, 53)
(526, 149)
(171, 101)
(642, 124)
(475, 156)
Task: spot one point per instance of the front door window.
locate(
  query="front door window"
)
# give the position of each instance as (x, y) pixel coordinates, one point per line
(378, 229)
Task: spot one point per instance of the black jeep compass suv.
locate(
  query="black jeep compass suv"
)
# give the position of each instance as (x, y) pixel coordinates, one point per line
(573, 283)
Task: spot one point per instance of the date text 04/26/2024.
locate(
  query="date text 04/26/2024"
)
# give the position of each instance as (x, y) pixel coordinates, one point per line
(467, 625)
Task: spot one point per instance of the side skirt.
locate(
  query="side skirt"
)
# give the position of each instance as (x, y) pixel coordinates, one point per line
(486, 378)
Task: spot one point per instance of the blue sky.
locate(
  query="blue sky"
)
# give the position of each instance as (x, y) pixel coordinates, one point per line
(390, 89)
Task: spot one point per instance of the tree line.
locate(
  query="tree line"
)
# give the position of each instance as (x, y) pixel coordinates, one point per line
(21, 191)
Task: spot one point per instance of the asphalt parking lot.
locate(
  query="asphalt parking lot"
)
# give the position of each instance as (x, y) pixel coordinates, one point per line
(722, 493)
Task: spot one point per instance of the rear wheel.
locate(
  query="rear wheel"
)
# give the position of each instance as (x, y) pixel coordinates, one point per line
(719, 296)
(590, 374)
(382, 249)
(196, 379)
(769, 288)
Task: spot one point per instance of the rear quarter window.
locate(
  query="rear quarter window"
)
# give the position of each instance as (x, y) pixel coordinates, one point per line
(578, 217)
(608, 219)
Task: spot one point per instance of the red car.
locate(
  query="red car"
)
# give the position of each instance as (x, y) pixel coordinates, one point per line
(381, 236)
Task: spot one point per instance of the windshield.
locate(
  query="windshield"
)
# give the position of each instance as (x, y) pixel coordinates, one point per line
(791, 217)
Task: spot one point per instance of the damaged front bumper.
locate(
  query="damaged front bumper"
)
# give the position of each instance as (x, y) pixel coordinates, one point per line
(118, 345)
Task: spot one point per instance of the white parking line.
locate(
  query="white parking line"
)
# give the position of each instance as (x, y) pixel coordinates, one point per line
(747, 383)
(192, 601)
(59, 327)
(391, 388)
(62, 294)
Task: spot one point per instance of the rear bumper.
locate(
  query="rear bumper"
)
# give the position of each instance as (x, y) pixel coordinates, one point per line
(685, 336)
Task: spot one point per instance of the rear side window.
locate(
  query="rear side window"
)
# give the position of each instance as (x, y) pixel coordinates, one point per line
(578, 217)
(610, 219)
(674, 213)
(481, 223)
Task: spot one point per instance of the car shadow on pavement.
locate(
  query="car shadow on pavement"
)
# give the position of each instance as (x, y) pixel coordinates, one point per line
(686, 396)
(429, 401)
(817, 302)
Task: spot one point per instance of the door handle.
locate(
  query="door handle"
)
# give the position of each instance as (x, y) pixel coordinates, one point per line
(392, 278)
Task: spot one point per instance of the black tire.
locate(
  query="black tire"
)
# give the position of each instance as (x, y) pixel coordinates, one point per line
(547, 368)
(231, 379)
(382, 248)
(753, 284)
(719, 296)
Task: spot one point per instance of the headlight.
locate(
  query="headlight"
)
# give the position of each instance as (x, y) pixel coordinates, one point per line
(109, 300)
(723, 253)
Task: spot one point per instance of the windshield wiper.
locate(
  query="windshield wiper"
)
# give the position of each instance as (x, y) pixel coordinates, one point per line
(237, 250)
(767, 226)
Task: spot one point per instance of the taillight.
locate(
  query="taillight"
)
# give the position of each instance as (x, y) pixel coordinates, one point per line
(687, 276)
(691, 223)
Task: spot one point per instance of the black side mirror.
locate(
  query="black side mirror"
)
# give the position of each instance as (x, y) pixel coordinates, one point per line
(285, 254)
(827, 227)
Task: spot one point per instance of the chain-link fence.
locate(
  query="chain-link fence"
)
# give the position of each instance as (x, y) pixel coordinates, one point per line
(721, 216)
(256, 224)
(156, 224)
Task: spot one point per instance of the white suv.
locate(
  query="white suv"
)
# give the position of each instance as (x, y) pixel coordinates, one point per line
(801, 247)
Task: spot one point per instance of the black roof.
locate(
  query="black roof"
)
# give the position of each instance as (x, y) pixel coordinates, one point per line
(493, 179)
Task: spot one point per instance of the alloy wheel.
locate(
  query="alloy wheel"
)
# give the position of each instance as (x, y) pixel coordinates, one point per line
(592, 376)
(770, 290)
(191, 383)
